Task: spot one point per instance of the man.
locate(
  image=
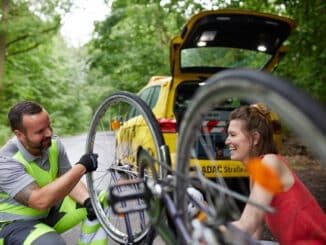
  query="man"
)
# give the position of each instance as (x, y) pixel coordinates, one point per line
(41, 194)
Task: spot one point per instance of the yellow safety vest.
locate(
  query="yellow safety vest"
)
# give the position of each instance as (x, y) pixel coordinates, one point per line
(42, 178)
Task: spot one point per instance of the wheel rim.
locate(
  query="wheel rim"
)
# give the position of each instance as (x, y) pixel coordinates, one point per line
(245, 85)
(107, 142)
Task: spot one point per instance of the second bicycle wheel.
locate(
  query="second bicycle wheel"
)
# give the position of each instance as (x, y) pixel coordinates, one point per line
(201, 152)
(126, 136)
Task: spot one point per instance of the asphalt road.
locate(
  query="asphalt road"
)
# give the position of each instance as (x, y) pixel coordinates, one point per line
(75, 147)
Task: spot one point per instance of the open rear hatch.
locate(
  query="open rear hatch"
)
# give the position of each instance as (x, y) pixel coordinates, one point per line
(216, 40)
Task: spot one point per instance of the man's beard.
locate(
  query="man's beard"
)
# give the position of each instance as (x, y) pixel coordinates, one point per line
(42, 146)
(45, 144)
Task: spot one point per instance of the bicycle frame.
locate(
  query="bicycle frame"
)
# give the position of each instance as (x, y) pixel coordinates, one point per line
(155, 196)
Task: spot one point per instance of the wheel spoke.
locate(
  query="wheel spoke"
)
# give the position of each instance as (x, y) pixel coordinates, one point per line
(121, 121)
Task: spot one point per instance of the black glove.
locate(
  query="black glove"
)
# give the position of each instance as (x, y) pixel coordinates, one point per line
(91, 215)
(89, 160)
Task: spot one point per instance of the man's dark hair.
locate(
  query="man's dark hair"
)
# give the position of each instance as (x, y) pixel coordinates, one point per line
(15, 115)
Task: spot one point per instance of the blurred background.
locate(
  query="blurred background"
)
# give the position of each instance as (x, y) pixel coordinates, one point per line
(70, 54)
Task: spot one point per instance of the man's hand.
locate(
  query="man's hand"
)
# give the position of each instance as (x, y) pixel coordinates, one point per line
(91, 215)
(89, 160)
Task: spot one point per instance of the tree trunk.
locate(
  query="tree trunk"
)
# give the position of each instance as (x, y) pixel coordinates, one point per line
(4, 19)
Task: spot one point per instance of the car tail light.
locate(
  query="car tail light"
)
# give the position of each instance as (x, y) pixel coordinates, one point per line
(168, 125)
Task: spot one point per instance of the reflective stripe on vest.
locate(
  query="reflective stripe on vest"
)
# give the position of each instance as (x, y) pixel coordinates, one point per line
(10, 207)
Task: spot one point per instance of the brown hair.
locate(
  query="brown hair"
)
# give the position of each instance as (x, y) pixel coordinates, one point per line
(257, 119)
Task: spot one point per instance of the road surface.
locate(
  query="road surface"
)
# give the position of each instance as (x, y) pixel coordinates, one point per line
(75, 147)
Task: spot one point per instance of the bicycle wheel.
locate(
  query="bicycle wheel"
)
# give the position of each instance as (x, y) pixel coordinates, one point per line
(298, 110)
(126, 136)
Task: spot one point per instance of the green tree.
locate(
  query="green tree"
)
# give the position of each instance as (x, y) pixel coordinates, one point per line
(52, 75)
(24, 25)
(39, 66)
(305, 62)
(132, 43)
(130, 46)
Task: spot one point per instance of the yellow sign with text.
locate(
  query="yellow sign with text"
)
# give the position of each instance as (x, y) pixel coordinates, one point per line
(220, 168)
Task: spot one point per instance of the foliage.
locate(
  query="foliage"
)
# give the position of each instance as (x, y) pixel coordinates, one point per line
(40, 67)
(25, 25)
(129, 46)
(50, 78)
(132, 43)
(306, 59)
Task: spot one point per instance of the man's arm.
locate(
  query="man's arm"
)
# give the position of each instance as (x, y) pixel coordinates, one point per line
(24, 194)
(79, 193)
(45, 197)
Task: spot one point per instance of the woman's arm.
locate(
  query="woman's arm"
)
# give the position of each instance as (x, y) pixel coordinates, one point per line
(252, 217)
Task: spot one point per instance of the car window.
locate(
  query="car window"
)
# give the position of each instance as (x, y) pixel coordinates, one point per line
(152, 100)
(145, 95)
(223, 57)
(150, 96)
(132, 113)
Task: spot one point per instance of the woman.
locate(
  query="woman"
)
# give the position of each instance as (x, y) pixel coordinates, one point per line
(298, 218)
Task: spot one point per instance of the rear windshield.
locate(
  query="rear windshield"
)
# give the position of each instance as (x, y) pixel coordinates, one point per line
(225, 57)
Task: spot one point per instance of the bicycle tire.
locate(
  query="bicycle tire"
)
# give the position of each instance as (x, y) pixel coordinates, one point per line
(106, 111)
(293, 105)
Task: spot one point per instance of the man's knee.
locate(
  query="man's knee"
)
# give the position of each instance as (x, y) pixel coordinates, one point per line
(30, 232)
(50, 238)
